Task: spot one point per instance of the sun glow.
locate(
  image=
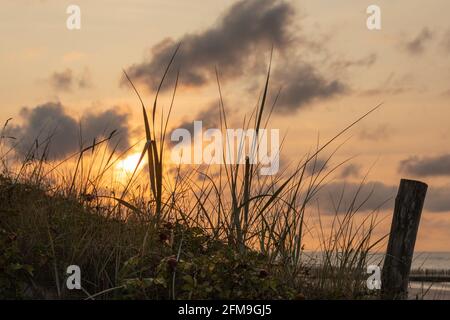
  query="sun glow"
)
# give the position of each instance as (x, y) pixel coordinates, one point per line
(128, 165)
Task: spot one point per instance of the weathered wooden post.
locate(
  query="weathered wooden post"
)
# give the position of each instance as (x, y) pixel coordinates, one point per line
(405, 224)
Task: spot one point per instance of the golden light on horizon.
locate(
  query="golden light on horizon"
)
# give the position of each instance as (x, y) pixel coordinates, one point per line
(129, 164)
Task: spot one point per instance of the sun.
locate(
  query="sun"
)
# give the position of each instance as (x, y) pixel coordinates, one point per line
(128, 165)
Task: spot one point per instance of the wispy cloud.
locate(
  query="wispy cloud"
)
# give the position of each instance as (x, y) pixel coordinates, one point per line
(378, 133)
(340, 196)
(417, 45)
(66, 80)
(351, 170)
(62, 80)
(438, 199)
(393, 85)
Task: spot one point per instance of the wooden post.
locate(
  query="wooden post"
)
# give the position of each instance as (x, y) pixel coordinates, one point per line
(405, 224)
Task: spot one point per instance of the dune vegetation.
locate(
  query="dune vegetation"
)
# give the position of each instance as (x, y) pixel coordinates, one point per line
(183, 233)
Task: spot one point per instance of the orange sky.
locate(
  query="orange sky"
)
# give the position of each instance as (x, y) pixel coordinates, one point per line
(405, 65)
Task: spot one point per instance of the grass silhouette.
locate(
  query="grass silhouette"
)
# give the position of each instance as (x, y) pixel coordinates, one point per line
(189, 233)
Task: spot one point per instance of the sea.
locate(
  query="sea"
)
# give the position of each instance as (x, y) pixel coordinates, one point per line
(430, 262)
(421, 260)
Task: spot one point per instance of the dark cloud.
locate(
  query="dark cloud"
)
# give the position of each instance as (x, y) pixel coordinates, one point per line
(235, 44)
(51, 122)
(417, 44)
(302, 84)
(66, 80)
(245, 28)
(426, 166)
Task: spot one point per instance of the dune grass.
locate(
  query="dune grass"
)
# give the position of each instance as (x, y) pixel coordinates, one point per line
(187, 233)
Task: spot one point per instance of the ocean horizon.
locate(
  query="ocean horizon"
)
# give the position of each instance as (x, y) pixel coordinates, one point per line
(423, 260)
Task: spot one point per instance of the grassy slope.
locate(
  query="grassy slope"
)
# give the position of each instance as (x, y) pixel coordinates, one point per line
(41, 235)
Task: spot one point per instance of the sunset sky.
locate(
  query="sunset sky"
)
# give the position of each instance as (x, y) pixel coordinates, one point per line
(330, 67)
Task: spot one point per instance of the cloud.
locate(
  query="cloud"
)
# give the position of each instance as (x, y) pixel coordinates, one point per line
(50, 121)
(417, 44)
(209, 116)
(371, 197)
(438, 199)
(244, 29)
(367, 61)
(62, 81)
(351, 170)
(426, 166)
(445, 43)
(393, 85)
(375, 194)
(316, 165)
(381, 132)
(66, 80)
(234, 45)
(302, 84)
(85, 79)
